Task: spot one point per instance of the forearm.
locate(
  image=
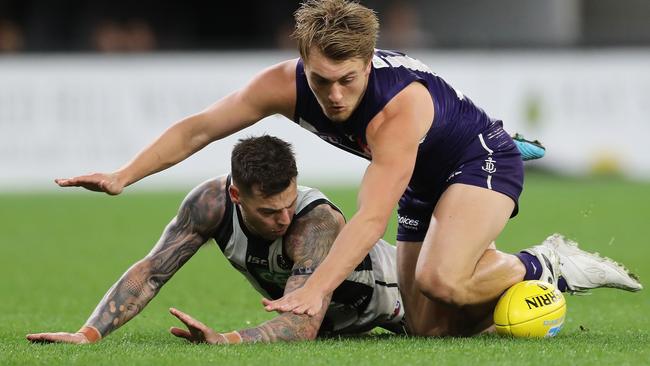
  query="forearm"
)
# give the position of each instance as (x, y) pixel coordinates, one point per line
(176, 144)
(284, 328)
(191, 134)
(123, 301)
(350, 247)
(287, 327)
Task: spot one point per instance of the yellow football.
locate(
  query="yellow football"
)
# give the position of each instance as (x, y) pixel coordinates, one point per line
(530, 309)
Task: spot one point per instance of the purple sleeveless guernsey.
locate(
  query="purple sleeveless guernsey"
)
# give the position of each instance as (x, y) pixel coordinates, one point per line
(451, 143)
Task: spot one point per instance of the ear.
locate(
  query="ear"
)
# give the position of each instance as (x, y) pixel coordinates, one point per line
(234, 194)
(368, 67)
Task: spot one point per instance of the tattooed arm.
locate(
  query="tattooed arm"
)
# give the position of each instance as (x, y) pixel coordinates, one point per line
(199, 214)
(307, 242)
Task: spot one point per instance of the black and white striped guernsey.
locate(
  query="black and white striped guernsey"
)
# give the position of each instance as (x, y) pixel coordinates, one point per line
(369, 297)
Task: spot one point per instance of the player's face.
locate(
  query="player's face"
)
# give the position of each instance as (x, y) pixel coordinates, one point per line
(337, 85)
(267, 217)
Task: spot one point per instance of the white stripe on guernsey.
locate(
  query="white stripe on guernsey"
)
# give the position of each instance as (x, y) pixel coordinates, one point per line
(400, 61)
(489, 182)
(480, 137)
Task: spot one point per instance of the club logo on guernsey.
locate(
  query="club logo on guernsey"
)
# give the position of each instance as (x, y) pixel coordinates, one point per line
(489, 165)
(396, 310)
(283, 262)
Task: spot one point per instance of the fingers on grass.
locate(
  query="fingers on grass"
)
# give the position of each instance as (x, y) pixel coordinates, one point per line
(181, 333)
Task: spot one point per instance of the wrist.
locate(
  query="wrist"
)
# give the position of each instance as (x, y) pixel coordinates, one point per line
(232, 337)
(320, 285)
(122, 178)
(91, 333)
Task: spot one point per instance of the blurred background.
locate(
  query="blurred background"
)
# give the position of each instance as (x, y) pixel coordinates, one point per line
(84, 85)
(173, 25)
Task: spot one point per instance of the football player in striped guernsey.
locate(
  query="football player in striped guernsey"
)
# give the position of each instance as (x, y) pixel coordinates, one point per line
(275, 233)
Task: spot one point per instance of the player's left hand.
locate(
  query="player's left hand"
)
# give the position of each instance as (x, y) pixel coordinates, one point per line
(198, 332)
(60, 337)
(301, 301)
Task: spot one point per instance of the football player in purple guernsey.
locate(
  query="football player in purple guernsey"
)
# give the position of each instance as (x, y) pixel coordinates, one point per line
(453, 171)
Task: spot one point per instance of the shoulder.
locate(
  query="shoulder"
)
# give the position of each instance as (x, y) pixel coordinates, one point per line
(412, 106)
(308, 198)
(415, 95)
(283, 71)
(205, 204)
(321, 217)
(311, 235)
(275, 88)
(320, 210)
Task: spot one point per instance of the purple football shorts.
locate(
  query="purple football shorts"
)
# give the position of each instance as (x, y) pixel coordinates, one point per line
(491, 161)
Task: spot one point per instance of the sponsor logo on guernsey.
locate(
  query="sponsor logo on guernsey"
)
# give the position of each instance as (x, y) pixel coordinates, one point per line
(355, 145)
(256, 260)
(408, 223)
(277, 278)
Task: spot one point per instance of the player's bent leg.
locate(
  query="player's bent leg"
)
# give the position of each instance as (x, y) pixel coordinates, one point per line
(418, 320)
(453, 265)
(424, 317)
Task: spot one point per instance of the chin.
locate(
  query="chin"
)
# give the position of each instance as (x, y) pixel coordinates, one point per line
(338, 117)
(274, 236)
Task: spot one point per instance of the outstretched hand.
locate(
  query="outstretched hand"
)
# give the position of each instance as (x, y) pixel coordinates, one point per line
(198, 332)
(98, 182)
(61, 337)
(300, 301)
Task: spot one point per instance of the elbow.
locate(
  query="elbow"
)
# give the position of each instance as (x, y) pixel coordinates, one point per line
(192, 132)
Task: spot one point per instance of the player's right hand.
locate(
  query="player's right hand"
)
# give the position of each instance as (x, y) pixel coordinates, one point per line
(61, 337)
(98, 182)
(197, 332)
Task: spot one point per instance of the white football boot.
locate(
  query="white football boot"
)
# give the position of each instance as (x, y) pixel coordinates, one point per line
(550, 261)
(583, 271)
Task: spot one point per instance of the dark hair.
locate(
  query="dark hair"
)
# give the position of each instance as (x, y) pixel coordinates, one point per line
(266, 162)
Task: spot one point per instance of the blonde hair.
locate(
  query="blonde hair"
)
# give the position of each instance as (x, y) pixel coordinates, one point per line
(339, 29)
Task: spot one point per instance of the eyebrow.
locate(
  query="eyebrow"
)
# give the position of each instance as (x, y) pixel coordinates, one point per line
(342, 77)
(268, 209)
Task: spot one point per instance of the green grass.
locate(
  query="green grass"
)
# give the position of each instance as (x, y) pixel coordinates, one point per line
(60, 251)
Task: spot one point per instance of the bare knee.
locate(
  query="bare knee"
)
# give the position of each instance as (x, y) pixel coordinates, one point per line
(419, 330)
(442, 287)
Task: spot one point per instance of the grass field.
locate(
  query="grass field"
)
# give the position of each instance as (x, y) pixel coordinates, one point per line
(60, 251)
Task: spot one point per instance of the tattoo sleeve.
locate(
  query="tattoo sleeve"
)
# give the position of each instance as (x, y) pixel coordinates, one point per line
(199, 214)
(307, 242)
